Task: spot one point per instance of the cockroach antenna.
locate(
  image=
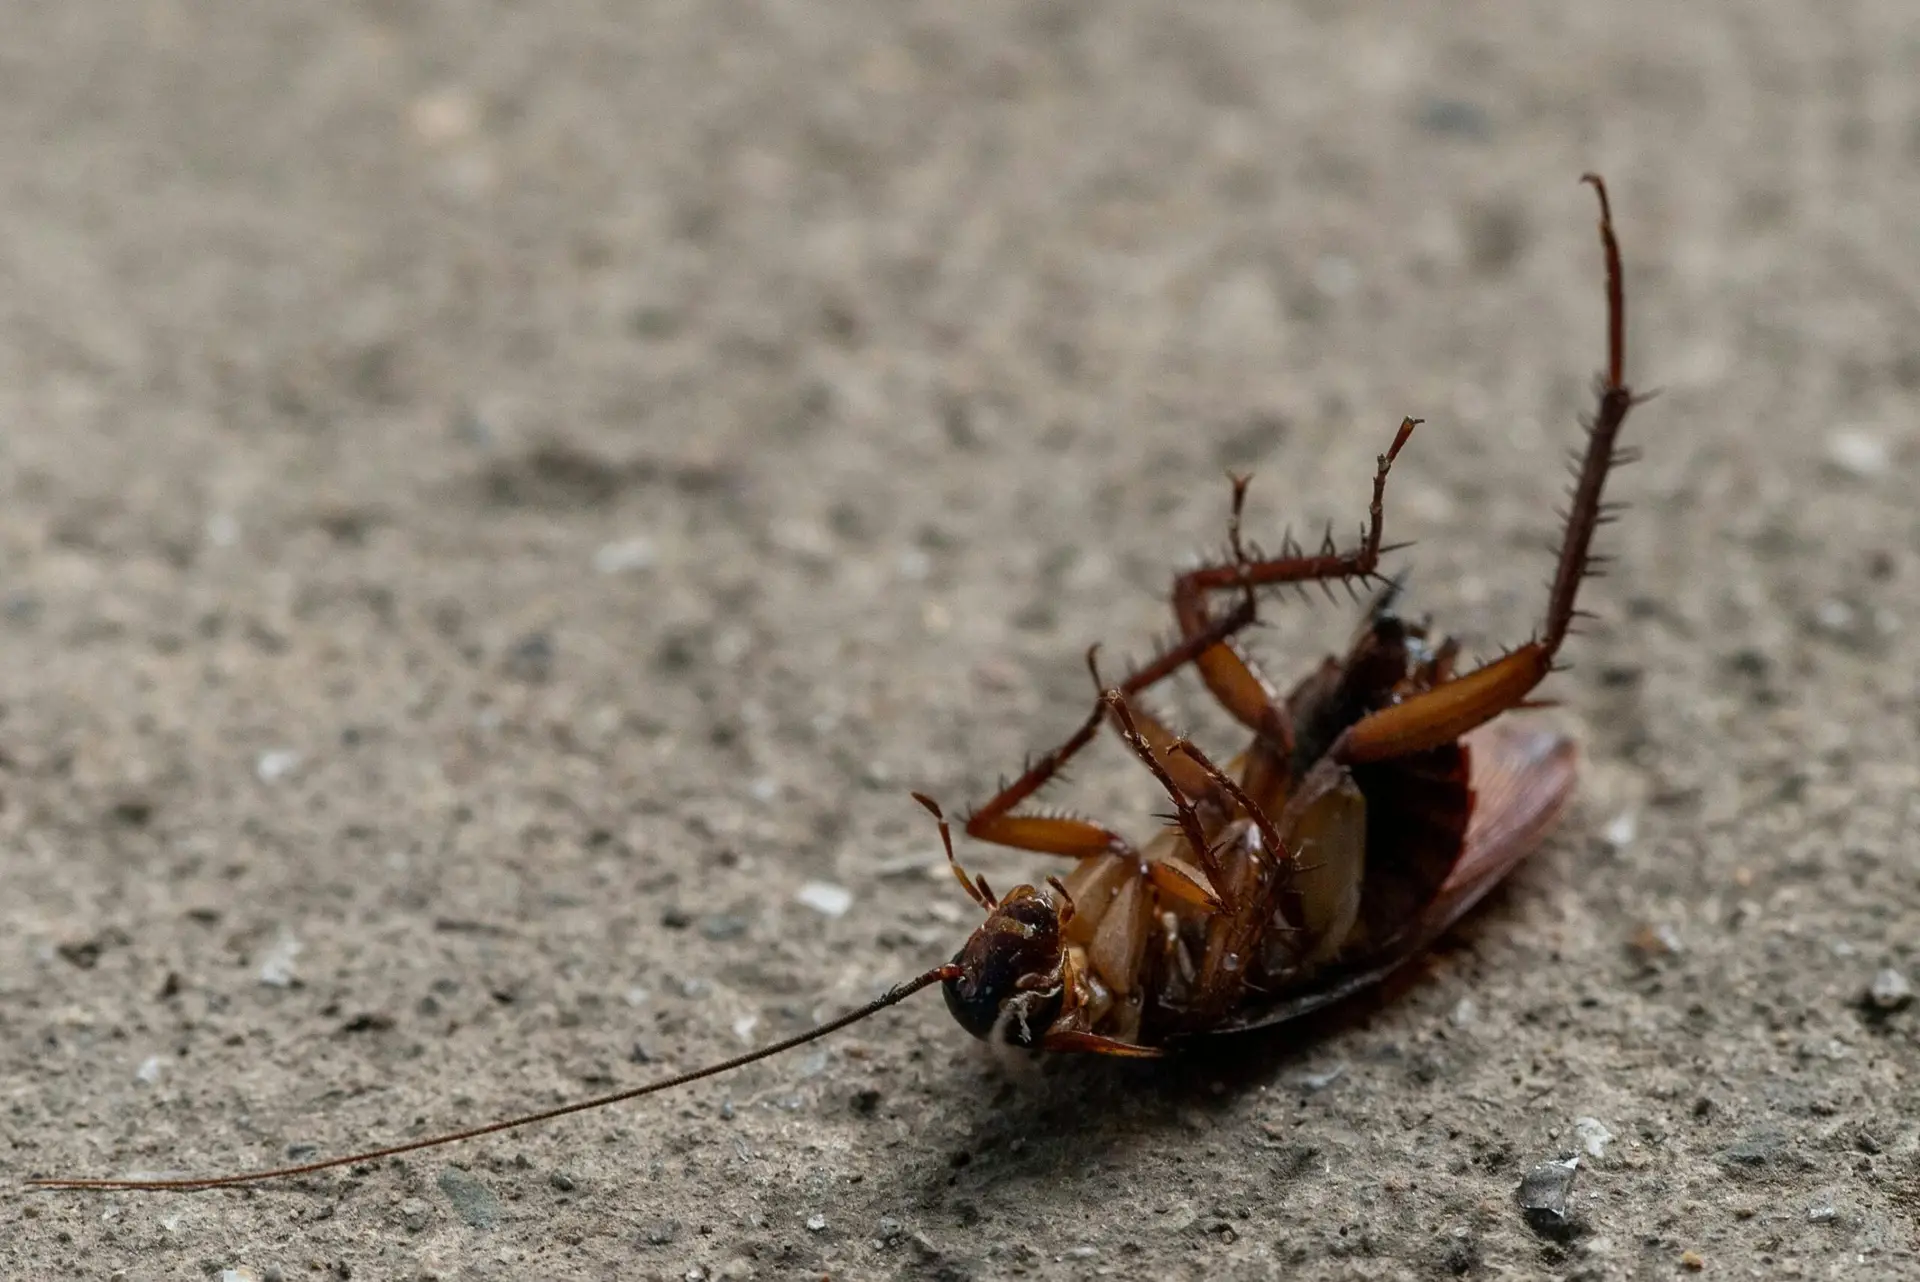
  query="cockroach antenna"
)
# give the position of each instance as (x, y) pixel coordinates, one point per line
(892, 997)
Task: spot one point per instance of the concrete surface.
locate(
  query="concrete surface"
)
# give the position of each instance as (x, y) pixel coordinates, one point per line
(496, 498)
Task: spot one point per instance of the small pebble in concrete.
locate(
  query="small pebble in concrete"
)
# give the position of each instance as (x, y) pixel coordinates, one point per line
(1654, 943)
(1620, 832)
(530, 659)
(1313, 1081)
(276, 964)
(1889, 991)
(624, 556)
(1546, 1194)
(1758, 1148)
(272, 767)
(473, 1201)
(1593, 1136)
(1857, 453)
(724, 926)
(826, 898)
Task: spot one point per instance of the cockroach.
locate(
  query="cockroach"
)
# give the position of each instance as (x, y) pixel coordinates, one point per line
(1376, 803)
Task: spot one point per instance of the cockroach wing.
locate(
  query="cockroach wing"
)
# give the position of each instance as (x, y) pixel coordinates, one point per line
(1522, 779)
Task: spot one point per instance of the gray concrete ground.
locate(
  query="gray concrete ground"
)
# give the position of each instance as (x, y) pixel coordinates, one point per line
(496, 498)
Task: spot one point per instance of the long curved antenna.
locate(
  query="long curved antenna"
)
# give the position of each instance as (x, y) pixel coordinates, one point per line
(893, 996)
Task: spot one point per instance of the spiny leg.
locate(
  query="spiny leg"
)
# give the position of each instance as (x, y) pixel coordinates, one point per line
(1191, 781)
(1278, 888)
(1076, 838)
(1184, 814)
(1205, 642)
(1263, 823)
(1229, 674)
(1444, 713)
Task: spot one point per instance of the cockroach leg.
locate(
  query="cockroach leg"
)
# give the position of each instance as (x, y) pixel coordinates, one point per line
(976, 887)
(1451, 709)
(1270, 841)
(1195, 785)
(1185, 815)
(1181, 882)
(1093, 1043)
(1279, 890)
(1065, 835)
(1229, 674)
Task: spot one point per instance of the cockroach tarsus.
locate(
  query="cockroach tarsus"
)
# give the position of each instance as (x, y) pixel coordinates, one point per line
(1376, 803)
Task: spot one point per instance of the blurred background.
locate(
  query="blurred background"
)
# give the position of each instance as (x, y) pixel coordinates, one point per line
(499, 503)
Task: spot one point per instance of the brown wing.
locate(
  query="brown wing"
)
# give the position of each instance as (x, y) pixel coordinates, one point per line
(1522, 780)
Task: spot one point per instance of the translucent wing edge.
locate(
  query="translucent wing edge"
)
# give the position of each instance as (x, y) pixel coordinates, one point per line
(1523, 779)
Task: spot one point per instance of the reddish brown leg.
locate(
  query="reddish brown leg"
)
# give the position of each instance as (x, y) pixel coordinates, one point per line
(1232, 677)
(1064, 835)
(976, 887)
(1277, 885)
(1094, 1044)
(1450, 710)
(1185, 815)
(1269, 835)
(1205, 642)
(1137, 720)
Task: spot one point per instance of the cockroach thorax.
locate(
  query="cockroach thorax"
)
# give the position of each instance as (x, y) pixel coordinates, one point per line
(1012, 979)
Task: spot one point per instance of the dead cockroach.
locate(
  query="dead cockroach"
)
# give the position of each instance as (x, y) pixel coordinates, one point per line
(1376, 803)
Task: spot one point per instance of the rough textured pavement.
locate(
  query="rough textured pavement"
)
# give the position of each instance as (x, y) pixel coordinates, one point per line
(494, 499)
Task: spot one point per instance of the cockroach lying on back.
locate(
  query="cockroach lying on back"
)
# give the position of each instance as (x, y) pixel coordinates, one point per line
(1375, 805)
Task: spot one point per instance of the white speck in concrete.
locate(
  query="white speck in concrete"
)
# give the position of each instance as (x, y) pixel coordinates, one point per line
(276, 964)
(624, 556)
(1858, 453)
(276, 765)
(826, 898)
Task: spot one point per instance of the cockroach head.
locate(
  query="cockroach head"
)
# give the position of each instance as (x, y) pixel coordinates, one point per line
(1011, 983)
